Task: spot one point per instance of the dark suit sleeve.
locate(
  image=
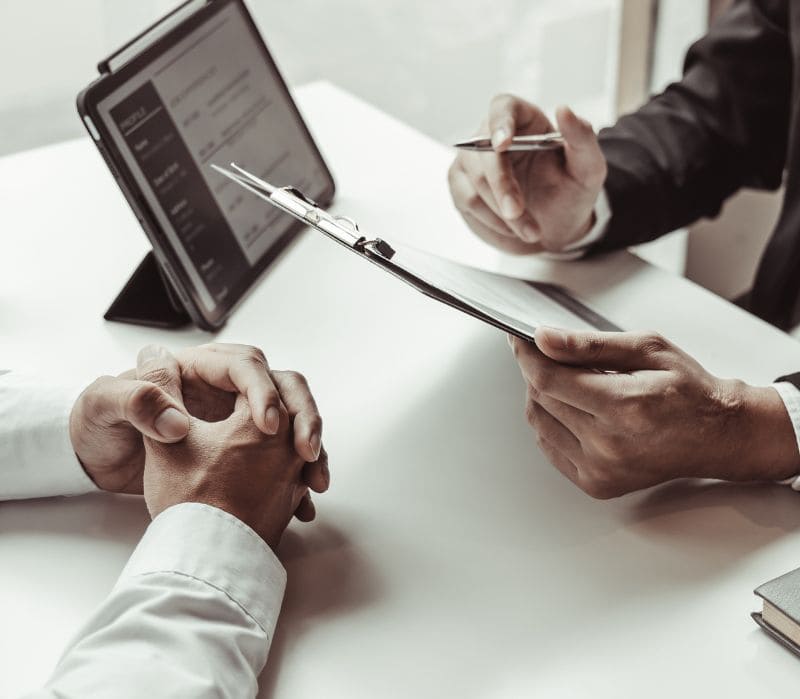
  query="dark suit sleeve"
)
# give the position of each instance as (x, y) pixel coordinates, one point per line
(793, 379)
(723, 126)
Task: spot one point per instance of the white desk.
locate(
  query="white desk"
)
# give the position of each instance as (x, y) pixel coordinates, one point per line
(449, 559)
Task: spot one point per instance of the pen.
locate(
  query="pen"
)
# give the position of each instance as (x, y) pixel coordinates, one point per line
(542, 141)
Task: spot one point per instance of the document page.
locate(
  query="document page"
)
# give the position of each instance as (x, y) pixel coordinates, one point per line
(522, 305)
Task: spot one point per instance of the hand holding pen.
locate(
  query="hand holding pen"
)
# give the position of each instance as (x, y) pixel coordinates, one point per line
(536, 188)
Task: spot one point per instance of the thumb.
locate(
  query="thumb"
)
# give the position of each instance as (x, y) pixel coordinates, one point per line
(157, 367)
(242, 415)
(615, 351)
(147, 407)
(510, 115)
(585, 160)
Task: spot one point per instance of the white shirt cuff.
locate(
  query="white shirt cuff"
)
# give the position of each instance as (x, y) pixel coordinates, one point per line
(36, 454)
(602, 216)
(790, 396)
(212, 546)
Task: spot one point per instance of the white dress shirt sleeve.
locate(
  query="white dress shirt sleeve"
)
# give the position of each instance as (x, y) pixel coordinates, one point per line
(192, 615)
(36, 455)
(790, 396)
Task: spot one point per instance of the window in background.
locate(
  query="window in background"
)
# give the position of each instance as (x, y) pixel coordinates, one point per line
(723, 253)
(434, 65)
(678, 23)
(49, 52)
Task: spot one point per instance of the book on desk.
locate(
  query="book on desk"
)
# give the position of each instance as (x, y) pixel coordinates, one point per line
(780, 614)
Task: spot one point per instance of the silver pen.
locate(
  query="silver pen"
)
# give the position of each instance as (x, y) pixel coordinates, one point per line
(533, 142)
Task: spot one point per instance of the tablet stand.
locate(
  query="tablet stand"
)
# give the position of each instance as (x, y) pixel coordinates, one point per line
(148, 299)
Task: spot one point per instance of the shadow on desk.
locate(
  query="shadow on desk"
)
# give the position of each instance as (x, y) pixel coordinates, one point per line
(118, 518)
(327, 577)
(702, 512)
(482, 458)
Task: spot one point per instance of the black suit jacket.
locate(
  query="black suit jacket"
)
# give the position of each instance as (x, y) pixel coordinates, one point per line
(733, 121)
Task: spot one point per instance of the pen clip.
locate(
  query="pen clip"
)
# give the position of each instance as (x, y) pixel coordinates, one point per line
(379, 247)
(343, 229)
(375, 246)
(300, 195)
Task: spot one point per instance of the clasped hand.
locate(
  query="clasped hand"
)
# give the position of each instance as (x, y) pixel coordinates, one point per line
(211, 424)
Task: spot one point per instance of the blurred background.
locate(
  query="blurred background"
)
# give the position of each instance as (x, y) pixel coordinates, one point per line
(434, 65)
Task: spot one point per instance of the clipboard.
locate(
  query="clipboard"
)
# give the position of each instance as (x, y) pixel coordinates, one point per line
(516, 306)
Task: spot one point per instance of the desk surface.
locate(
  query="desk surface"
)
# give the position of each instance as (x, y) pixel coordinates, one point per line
(449, 559)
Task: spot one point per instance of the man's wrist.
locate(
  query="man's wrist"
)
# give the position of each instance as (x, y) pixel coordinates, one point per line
(593, 231)
(761, 437)
(262, 520)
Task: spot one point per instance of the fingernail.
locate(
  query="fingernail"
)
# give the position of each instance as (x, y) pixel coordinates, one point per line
(172, 424)
(510, 339)
(316, 445)
(272, 419)
(499, 136)
(510, 207)
(326, 475)
(531, 233)
(555, 338)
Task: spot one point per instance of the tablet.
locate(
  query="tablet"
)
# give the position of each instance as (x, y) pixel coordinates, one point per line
(203, 91)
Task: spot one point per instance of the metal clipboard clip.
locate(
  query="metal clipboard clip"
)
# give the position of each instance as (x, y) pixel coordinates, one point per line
(342, 229)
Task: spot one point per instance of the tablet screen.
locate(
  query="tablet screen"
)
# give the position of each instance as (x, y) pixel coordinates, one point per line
(213, 97)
